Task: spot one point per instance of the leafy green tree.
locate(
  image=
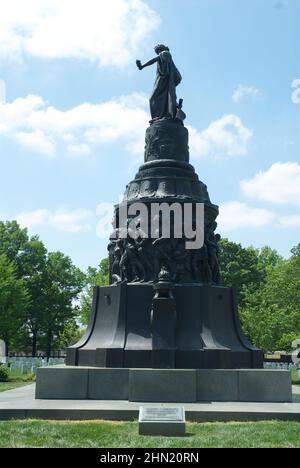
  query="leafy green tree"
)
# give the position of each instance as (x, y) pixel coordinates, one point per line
(62, 284)
(52, 282)
(94, 277)
(32, 266)
(28, 254)
(14, 301)
(268, 258)
(70, 335)
(12, 240)
(271, 314)
(245, 268)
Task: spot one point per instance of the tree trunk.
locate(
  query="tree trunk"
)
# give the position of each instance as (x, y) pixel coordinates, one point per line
(34, 343)
(49, 344)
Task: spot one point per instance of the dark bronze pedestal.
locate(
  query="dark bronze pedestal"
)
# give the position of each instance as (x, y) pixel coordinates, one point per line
(165, 307)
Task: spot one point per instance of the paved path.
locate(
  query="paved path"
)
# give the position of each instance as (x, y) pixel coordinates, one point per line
(20, 403)
(296, 390)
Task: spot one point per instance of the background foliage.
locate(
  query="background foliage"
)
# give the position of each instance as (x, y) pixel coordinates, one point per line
(45, 300)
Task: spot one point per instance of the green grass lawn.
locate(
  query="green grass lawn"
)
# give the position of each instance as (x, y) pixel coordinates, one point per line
(106, 434)
(17, 379)
(12, 384)
(295, 378)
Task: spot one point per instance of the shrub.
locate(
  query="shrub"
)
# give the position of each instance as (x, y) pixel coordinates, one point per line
(4, 374)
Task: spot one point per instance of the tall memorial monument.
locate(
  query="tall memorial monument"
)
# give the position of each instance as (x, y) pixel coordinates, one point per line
(165, 307)
(165, 329)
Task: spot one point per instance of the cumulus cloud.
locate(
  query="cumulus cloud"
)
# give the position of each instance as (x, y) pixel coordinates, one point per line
(290, 221)
(223, 138)
(62, 220)
(235, 215)
(29, 219)
(40, 127)
(2, 91)
(109, 33)
(79, 149)
(242, 92)
(280, 184)
(37, 142)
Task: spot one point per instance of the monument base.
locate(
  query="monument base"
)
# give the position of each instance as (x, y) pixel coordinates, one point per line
(198, 329)
(163, 385)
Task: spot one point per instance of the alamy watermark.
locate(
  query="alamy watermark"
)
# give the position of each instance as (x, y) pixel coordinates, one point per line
(154, 221)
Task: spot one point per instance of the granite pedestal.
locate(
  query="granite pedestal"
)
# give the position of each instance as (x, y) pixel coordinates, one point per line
(163, 385)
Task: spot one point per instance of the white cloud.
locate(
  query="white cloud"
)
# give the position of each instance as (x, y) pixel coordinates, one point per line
(31, 218)
(62, 220)
(79, 150)
(37, 142)
(235, 215)
(290, 221)
(2, 91)
(244, 91)
(72, 221)
(280, 184)
(40, 127)
(296, 94)
(223, 138)
(107, 32)
(16, 114)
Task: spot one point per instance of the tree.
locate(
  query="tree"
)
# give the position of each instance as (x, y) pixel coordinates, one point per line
(245, 268)
(70, 335)
(12, 240)
(62, 284)
(52, 283)
(14, 301)
(32, 267)
(94, 277)
(271, 314)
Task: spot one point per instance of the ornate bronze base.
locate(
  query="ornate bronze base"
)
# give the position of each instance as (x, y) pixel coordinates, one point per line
(186, 327)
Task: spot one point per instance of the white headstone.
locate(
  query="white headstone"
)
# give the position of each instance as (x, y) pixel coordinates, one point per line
(2, 351)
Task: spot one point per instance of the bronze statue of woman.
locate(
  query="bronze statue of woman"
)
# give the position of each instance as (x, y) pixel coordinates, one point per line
(163, 102)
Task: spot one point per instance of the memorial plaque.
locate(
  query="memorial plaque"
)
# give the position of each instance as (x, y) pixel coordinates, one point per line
(162, 420)
(161, 414)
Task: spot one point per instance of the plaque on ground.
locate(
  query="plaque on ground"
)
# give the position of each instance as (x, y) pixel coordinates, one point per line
(162, 420)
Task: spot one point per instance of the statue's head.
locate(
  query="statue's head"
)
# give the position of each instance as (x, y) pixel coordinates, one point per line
(160, 48)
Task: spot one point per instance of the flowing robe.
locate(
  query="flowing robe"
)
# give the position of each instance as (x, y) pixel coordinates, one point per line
(163, 102)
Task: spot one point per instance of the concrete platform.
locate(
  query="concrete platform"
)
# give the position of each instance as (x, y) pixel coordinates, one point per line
(164, 385)
(21, 403)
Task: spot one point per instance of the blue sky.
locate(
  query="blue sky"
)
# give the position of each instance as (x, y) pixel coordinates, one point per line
(73, 119)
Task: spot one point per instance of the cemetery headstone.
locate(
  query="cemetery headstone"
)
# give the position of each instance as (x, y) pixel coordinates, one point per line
(3, 356)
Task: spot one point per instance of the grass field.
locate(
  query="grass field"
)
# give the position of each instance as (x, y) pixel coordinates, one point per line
(105, 434)
(13, 384)
(100, 434)
(296, 378)
(17, 379)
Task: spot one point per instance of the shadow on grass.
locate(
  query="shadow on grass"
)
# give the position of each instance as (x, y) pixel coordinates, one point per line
(187, 435)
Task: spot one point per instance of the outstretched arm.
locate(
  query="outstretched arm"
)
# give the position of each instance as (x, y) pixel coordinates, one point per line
(147, 64)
